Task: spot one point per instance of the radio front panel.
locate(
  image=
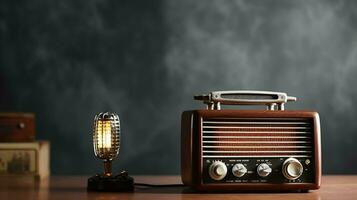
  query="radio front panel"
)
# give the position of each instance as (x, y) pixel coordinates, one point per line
(284, 146)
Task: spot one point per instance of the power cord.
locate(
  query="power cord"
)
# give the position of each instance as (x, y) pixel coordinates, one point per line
(159, 185)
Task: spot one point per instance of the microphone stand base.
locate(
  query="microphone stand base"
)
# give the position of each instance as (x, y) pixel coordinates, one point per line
(119, 183)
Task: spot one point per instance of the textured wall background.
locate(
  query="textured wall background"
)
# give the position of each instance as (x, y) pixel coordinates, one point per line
(68, 60)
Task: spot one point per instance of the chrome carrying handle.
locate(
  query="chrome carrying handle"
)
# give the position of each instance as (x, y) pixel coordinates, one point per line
(245, 97)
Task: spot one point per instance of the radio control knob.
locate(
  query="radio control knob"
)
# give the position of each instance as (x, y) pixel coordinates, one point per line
(217, 170)
(292, 168)
(239, 170)
(264, 170)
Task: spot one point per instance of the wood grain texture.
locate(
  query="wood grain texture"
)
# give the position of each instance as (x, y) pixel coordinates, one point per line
(74, 187)
(17, 127)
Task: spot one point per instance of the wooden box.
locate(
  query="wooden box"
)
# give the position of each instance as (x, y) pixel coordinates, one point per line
(17, 127)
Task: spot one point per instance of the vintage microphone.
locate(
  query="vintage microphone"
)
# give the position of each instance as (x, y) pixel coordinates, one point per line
(106, 144)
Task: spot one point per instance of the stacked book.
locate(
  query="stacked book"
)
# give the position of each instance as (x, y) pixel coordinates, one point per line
(21, 156)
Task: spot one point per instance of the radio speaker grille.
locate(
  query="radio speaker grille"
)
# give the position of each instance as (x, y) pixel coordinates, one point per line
(257, 137)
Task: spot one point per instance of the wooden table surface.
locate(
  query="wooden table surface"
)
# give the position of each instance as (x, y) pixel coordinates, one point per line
(74, 187)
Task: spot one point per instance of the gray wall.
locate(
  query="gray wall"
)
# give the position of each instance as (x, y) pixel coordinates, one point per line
(68, 60)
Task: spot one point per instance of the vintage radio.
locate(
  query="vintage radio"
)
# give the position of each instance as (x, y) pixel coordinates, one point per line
(271, 149)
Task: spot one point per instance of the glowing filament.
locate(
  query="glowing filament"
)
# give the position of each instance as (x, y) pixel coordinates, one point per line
(104, 134)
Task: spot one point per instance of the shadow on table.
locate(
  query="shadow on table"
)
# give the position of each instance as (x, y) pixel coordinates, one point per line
(187, 192)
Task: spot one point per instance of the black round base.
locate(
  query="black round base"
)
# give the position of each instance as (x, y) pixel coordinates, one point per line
(119, 183)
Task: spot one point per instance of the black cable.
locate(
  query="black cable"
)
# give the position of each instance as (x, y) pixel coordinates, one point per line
(158, 185)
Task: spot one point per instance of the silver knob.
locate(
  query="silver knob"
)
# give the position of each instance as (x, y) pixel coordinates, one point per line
(239, 170)
(292, 168)
(264, 170)
(217, 170)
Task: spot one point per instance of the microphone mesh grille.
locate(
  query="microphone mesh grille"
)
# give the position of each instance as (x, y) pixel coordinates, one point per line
(106, 135)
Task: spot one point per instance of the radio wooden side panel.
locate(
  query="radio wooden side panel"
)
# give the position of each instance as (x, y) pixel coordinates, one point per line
(186, 148)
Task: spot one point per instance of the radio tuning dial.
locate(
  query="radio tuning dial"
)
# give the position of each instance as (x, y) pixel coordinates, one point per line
(264, 170)
(292, 168)
(217, 170)
(239, 170)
